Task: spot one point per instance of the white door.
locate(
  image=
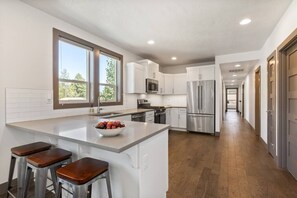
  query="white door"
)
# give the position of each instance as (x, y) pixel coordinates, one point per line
(182, 122)
(174, 117)
(180, 83)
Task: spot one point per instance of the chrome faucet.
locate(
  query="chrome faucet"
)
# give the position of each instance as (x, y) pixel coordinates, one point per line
(98, 108)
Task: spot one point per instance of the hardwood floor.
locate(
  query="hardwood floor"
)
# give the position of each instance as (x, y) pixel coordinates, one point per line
(236, 164)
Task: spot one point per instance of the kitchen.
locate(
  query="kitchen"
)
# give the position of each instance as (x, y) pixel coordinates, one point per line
(28, 94)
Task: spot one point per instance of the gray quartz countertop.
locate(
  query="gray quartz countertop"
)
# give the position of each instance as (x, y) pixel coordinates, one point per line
(81, 129)
(170, 106)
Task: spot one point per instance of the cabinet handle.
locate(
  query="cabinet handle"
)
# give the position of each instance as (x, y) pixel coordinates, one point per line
(172, 90)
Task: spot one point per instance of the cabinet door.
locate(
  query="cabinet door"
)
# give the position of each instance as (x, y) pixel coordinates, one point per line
(160, 78)
(206, 72)
(182, 115)
(192, 73)
(174, 117)
(135, 77)
(168, 116)
(153, 69)
(180, 84)
(168, 84)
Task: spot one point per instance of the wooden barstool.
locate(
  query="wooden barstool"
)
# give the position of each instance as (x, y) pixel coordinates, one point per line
(42, 162)
(20, 153)
(81, 174)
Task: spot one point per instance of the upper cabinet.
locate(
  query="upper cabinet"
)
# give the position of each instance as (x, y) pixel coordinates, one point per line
(175, 84)
(201, 73)
(180, 83)
(135, 78)
(160, 78)
(168, 84)
(151, 68)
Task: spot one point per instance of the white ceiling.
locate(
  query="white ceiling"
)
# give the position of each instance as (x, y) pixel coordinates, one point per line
(228, 77)
(192, 30)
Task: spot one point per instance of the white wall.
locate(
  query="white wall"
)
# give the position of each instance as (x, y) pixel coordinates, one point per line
(26, 62)
(283, 29)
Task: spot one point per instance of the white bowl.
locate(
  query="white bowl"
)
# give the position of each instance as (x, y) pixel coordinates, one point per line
(110, 132)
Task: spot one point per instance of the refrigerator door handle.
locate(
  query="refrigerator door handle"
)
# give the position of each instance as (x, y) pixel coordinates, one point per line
(198, 96)
(201, 97)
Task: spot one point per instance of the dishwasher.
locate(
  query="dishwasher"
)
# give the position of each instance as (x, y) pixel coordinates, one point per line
(138, 117)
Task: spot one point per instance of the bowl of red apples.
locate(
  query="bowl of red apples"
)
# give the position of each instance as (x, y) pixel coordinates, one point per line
(109, 128)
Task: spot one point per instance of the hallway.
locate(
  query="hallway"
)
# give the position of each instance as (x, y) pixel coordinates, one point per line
(236, 164)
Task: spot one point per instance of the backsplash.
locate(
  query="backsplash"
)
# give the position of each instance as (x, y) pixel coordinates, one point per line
(32, 104)
(175, 100)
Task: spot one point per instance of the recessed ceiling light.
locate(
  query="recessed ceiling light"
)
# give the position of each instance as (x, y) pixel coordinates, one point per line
(233, 81)
(232, 84)
(173, 58)
(237, 65)
(234, 75)
(245, 21)
(151, 42)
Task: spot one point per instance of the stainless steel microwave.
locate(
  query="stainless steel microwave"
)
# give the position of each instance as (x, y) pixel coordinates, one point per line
(151, 85)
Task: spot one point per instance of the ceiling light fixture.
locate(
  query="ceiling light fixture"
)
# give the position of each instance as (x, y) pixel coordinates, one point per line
(173, 58)
(151, 42)
(245, 21)
(237, 65)
(233, 81)
(234, 75)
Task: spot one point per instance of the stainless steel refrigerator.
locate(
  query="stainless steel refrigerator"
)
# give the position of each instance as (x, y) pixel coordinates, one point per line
(201, 106)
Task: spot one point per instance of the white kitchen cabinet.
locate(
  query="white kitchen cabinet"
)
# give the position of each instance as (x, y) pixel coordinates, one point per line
(150, 117)
(135, 78)
(122, 118)
(201, 73)
(168, 84)
(182, 118)
(178, 118)
(160, 78)
(174, 118)
(180, 83)
(151, 68)
(168, 116)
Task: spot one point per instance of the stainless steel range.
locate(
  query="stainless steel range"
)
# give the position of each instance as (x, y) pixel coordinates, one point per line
(160, 111)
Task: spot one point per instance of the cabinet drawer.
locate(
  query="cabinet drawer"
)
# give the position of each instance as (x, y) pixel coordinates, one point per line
(149, 114)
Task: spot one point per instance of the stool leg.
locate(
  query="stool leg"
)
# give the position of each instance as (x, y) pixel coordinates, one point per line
(54, 177)
(11, 171)
(89, 191)
(22, 165)
(58, 190)
(108, 183)
(40, 182)
(80, 191)
(27, 184)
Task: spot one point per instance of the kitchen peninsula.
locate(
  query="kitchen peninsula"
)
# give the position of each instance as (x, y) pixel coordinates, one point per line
(138, 157)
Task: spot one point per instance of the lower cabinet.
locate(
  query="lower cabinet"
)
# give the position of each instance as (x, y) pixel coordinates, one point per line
(168, 116)
(150, 117)
(178, 118)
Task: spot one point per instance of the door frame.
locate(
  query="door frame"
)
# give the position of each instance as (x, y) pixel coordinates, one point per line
(236, 98)
(281, 104)
(258, 100)
(242, 100)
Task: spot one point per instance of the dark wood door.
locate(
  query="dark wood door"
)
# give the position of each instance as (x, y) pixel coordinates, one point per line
(271, 105)
(258, 101)
(292, 110)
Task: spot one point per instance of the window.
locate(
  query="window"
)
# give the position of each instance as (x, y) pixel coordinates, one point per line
(76, 63)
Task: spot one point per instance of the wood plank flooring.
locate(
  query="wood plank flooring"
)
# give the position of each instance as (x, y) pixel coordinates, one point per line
(236, 164)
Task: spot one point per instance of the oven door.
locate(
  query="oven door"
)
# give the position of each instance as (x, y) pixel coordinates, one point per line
(160, 118)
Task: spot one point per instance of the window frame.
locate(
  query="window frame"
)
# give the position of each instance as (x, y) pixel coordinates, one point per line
(93, 81)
